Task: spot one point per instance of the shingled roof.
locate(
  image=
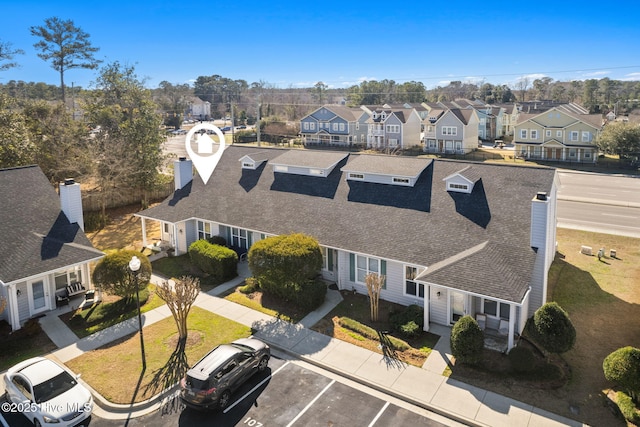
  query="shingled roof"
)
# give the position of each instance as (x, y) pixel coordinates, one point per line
(35, 236)
(421, 225)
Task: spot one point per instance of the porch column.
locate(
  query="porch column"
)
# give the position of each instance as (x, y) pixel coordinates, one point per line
(12, 305)
(144, 232)
(427, 304)
(512, 325)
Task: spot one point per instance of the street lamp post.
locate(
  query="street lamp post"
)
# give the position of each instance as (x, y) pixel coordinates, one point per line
(134, 266)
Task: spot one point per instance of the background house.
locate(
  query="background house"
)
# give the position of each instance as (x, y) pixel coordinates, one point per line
(453, 237)
(334, 125)
(44, 248)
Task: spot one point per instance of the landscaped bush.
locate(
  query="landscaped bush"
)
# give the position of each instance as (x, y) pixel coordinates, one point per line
(623, 368)
(521, 359)
(250, 286)
(467, 340)
(410, 329)
(400, 320)
(371, 333)
(218, 261)
(628, 408)
(286, 267)
(552, 328)
(217, 240)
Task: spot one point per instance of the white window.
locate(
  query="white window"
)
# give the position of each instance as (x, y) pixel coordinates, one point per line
(357, 125)
(247, 165)
(366, 265)
(65, 278)
(342, 127)
(305, 125)
(356, 176)
(411, 287)
(586, 136)
(393, 142)
(547, 133)
(534, 134)
(587, 154)
(574, 135)
(558, 134)
(449, 130)
(335, 126)
(496, 309)
(312, 126)
(403, 181)
(393, 128)
(239, 238)
(572, 152)
(464, 187)
(523, 133)
(204, 230)
(483, 121)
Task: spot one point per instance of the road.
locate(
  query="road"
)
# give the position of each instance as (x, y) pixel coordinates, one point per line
(599, 203)
(289, 393)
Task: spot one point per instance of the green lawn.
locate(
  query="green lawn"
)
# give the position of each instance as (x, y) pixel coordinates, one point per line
(101, 316)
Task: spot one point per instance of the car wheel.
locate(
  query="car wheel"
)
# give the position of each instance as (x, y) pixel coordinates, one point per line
(36, 423)
(225, 397)
(262, 365)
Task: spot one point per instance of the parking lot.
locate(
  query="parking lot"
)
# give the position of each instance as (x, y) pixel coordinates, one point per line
(289, 393)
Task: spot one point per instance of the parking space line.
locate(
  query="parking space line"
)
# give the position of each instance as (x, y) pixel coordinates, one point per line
(375, 419)
(301, 413)
(230, 407)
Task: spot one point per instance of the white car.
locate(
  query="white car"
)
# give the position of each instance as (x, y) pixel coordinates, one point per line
(47, 394)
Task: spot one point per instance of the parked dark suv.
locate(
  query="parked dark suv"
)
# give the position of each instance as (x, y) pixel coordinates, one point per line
(210, 382)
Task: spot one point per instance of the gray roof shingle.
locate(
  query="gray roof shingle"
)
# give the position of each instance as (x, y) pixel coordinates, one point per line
(421, 225)
(35, 236)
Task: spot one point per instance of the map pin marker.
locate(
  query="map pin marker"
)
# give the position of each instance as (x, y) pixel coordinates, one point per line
(205, 165)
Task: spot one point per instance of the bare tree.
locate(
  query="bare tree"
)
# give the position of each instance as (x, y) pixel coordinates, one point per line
(65, 45)
(522, 85)
(6, 54)
(375, 283)
(180, 297)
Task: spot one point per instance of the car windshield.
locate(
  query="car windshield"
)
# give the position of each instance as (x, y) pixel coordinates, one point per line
(197, 384)
(53, 387)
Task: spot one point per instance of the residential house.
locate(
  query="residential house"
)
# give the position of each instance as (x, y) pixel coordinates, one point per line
(334, 125)
(44, 249)
(390, 128)
(451, 131)
(453, 237)
(559, 134)
(199, 109)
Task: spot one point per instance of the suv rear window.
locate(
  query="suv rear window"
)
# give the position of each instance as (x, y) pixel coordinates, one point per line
(197, 384)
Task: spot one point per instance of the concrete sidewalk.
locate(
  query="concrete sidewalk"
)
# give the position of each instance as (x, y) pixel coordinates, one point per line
(425, 387)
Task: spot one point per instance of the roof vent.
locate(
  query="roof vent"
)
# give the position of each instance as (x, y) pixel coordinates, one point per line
(541, 195)
(69, 181)
(182, 159)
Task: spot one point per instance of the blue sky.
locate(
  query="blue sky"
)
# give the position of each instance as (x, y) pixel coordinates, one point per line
(298, 43)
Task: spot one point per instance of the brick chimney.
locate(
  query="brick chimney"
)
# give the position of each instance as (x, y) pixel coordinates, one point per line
(71, 201)
(183, 172)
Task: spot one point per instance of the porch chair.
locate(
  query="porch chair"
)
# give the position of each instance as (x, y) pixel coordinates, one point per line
(482, 320)
(503, 328)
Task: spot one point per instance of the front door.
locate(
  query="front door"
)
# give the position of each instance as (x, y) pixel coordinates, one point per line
(457, 303)
(37, 297)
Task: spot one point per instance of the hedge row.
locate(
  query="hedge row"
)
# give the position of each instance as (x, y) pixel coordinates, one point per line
(218, 261)
(371, 333)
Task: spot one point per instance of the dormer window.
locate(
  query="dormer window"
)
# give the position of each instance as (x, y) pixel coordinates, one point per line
(401, 181)
(247, 165)
(458, 187)
(252, 161)
(358, 176)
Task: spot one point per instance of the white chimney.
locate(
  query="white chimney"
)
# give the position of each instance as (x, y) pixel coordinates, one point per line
(539, 218)
(71, 201)
(183, 172)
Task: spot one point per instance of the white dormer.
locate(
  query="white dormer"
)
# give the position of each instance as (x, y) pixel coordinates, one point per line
(385, 169)
(462, 181)
(249, 162)
(306, 162)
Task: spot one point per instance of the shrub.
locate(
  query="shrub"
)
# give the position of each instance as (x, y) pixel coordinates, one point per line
(467, 340)
(623, 368)
(627, 408)
(522, 359)
(412, 313)
(112, 273)
(218, 261)
(250, 286)
(553, 329)
(410, 329)
(217, 240)
(286, 267)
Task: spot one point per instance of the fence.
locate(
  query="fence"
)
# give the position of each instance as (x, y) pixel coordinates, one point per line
(92, 202)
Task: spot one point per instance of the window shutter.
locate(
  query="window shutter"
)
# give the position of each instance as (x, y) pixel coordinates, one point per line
(383, 271)
(330, 259)
(352, 267)
(249, 239)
